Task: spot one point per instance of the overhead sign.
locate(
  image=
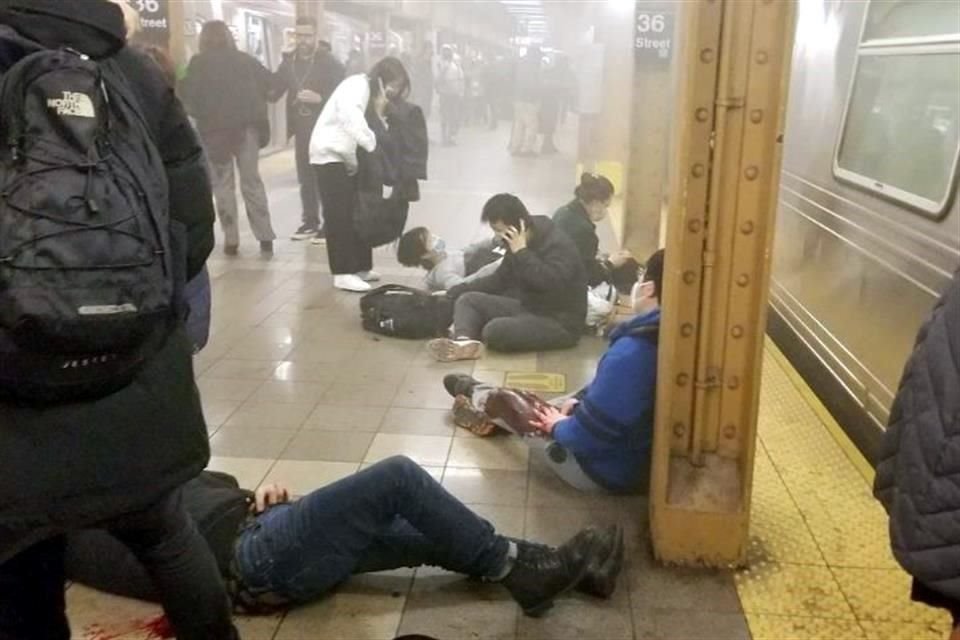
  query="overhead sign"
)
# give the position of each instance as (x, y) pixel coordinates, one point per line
(653, 35)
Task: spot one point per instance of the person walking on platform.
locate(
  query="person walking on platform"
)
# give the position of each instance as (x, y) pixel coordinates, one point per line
(918, 472)
(113, 458)
(341, 128)
(226, 90)
(527, 95)
(308, 75)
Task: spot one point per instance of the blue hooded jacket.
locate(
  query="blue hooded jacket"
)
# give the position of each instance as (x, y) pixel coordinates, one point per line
(611, 431)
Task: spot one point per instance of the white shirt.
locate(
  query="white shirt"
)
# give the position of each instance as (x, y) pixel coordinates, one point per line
(342, 125)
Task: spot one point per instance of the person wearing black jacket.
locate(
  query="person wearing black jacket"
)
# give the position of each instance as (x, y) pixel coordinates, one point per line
(578, 219)
(226, 90)
(535, 301)
(308, 75)
(117, 461)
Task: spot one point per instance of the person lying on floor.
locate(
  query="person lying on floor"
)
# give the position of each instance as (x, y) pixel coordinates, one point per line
(599, 439)
(276, 553)
(536, 300)
(447, 268)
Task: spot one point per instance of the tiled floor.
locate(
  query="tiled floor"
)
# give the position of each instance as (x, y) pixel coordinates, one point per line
(295, 392)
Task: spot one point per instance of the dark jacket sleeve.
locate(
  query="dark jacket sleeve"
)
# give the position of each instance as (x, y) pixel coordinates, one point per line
(544, 272)
(280, 79)
(191, 199)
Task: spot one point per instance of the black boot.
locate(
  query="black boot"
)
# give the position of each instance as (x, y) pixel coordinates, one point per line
(459, 384)
(600, 580)
(541, 573)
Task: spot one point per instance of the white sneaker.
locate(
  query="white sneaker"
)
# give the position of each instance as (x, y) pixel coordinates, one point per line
(369, 276)
(350, 282)
(447, 350)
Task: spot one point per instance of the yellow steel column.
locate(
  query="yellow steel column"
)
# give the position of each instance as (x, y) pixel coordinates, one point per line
(724, 175)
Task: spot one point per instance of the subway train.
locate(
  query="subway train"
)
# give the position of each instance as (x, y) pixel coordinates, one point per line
(868, 223)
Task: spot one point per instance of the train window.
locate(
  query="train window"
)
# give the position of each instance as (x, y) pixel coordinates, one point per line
(928, 19)
(901, 131)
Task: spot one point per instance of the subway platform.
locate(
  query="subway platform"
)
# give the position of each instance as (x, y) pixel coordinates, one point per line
(295, 392)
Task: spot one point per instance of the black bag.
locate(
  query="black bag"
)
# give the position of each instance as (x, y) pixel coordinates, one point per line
(379, 221)
(88, 279)
(404, 312)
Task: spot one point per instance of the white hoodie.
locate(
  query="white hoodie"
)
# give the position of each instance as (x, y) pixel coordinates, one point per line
(342, 125)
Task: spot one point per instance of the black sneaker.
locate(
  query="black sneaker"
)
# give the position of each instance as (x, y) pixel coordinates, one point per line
(459, 384)
(541, 573)
(305, 232)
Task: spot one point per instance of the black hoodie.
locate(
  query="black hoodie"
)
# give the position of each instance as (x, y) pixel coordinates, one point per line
(74, 465)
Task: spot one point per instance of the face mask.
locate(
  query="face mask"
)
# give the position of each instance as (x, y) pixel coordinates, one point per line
(437, 244)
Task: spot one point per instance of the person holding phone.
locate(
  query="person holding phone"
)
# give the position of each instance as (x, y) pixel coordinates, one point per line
(535, 301)
(340, 129)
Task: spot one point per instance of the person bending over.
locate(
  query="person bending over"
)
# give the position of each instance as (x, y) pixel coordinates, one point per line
(279, 553)
(600, 438)
(534, 301)
(447, 268)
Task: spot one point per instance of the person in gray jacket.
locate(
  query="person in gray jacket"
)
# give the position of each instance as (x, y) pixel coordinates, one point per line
(918, 474)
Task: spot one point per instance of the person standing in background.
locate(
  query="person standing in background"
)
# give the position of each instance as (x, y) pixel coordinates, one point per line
(422, 71)
(341, 128)
(449, 84)
(226, 90)
(526, 106)
(308, 75)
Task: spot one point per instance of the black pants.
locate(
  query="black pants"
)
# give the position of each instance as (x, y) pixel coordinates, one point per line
(338, 191)
(309, 198)
(504, 325)
(163, 538)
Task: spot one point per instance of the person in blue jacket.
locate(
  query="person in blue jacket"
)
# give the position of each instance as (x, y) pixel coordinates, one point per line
(600, 439)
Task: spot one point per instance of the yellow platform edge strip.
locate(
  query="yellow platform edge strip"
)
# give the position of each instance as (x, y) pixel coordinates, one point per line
(860, 463)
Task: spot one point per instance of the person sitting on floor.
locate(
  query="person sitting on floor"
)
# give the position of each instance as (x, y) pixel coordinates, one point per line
(447, 268)
(276, 553)
(534, 301)
(605, 273)
(600, 438)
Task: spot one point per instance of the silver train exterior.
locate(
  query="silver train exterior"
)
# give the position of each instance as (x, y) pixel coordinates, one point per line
(868, 225)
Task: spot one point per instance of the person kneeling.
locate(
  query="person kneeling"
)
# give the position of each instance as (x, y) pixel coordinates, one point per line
(534, 301)
(599, 439)
(278, 553)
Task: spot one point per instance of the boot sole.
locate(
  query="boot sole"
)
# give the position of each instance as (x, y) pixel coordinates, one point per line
(445, 350)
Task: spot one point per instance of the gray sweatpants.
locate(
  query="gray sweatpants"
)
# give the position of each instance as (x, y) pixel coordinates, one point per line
(551, 454)
(504, 325)
(247, 160)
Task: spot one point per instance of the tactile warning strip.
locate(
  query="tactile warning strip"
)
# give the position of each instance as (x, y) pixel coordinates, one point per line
(819, 559)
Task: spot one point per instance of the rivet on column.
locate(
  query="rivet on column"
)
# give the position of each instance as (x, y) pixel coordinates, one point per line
(737, 331)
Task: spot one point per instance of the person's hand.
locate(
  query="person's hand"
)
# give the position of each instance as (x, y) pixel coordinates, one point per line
(619, 258)
(568, 406)
(545, 418)
(380, 105)
(516, 239)
(307, 96)
(268, 496)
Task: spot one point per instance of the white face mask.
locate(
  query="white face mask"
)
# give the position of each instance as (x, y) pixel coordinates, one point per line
(437, 244)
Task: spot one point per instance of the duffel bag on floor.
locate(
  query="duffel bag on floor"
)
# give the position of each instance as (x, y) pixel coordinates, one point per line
(405, 312)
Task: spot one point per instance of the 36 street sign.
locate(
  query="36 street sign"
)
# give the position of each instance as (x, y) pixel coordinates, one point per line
(653, 35)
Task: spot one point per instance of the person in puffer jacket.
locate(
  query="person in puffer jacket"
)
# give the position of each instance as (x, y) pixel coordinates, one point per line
(918, 474)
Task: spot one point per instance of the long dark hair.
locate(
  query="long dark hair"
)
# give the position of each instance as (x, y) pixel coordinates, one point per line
(216, 35)
(389, 70)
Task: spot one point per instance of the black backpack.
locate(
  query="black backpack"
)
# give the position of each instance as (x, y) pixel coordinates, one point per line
(404, 312)
(88, 280)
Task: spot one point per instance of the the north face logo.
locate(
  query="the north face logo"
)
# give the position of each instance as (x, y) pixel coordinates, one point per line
(73, 103)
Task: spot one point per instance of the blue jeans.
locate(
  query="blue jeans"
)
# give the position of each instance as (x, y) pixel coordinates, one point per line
(391, 515)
